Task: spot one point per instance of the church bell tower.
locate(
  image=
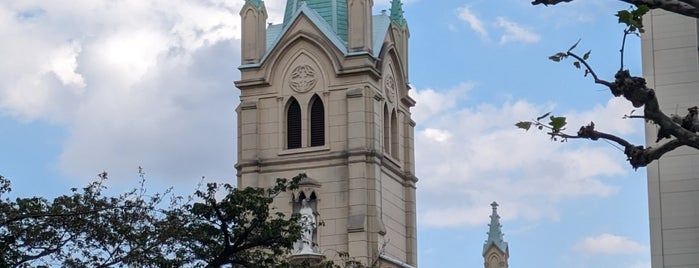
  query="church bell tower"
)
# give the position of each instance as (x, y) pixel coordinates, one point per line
(325, 93)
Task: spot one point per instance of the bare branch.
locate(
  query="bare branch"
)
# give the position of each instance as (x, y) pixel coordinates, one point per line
(688, 8)
(637, 155)
(53, 215)
(592, 72)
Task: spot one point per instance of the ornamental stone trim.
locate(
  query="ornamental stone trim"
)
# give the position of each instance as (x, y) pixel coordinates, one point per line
(303, 78)
(390, 87)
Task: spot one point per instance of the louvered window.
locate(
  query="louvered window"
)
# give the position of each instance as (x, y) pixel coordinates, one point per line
(293, 125)
(386, 131)
(394, 134)
(317, 122)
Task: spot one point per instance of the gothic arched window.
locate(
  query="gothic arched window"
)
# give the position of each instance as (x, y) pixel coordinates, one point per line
(386, 130)
(317, 116)
(293, 125)
(394, 134)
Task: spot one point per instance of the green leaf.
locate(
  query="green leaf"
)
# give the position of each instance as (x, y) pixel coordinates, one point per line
(641, 10)
(557, 123)
(577, 64)
(574, 45)
(558, 56)
(524, 125)
(587, 55)
(624, 17)
(633, 18)
(543, 116)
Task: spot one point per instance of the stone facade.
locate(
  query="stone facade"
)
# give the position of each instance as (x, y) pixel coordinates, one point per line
(671, 67)
(311, 103)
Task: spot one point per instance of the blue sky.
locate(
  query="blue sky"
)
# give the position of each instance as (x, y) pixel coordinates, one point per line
(88, 86)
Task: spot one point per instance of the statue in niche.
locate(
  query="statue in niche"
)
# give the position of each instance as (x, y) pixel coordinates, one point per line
(308, 227)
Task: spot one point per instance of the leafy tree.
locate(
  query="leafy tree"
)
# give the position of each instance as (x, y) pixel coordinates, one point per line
(681, 130)
(83, 229)
(239, 229)
(220, 225)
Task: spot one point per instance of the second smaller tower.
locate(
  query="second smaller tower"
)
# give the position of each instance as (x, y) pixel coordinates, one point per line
(495, 250)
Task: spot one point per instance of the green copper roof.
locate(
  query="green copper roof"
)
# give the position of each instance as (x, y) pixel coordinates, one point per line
(295, 8)
(495, 235)
(256, 3)
(334, 12)
(397, 13)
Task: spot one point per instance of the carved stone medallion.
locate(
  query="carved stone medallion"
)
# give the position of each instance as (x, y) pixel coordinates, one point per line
(390, 88)
(303, 78)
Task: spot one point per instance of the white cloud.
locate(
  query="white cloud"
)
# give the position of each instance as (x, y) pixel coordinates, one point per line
(433, 102)
(476, 155)
(610, 244)
(130, 80)
(515, 33)
(64, 65)
(614, 110)
(465, 14)
(437, 134)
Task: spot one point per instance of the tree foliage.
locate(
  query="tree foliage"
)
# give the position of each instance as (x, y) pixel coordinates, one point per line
(220, 225)
(82, 229)
(680, 130)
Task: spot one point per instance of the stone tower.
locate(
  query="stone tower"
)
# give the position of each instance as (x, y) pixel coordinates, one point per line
(671, 67)
(325, 93)
(495, 250)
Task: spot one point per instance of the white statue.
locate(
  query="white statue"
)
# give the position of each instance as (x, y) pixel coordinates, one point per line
(308, 226)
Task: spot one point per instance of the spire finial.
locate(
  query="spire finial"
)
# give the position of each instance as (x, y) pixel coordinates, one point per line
(256, 3)
(397, 13)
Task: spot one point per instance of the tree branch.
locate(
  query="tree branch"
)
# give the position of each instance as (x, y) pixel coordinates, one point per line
(689, 8)
(592, 72)
(53, 215)
(637, 155)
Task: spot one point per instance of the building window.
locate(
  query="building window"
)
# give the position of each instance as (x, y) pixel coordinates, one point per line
(317, 116)
(386, 130)
(394, 134)
(293, 125)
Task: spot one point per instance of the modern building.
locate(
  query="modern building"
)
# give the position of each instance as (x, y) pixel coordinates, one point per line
(325, 93)
(671, 66)
(496, 251)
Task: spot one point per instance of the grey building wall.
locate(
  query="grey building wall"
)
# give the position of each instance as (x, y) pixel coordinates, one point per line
(671, 67)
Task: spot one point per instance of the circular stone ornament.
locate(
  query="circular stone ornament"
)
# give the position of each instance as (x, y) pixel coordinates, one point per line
(303, 78)
(390, 88)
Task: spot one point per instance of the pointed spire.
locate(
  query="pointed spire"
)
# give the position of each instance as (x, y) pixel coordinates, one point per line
(495, 235)
(397, 13)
